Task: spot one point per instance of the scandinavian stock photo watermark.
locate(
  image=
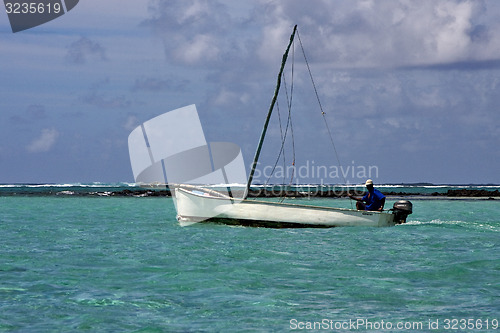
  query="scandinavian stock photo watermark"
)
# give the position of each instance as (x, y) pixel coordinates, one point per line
(323, 174)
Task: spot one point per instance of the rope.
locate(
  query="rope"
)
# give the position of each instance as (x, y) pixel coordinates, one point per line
(282, 150)
(283, 138)
(323, 114)
(289, 102)
(283, 141)
(289, 124)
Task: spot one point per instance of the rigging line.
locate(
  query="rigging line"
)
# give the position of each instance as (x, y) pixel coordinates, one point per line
(289, 99)
(289, 102)
(283, 139)
(282, 149)
(288, 125)
(293, 151)
(321, 108)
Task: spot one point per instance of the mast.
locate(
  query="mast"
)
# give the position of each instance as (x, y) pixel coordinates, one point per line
(273, 101)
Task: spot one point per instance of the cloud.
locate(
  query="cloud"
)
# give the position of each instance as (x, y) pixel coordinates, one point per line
(230, 98)
(99, 96)
(198, 32)
(387, 33)
(420, 75)
(80, 51)
(199, 47)
(101, 100)
(34, 112)
(131, 122)
(152, 84)
(44, 142)
(338, 34)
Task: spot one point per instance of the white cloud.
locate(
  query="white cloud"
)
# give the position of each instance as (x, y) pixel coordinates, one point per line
(343, 33)
(44, 142)
(387, 33)
(202, 47)
(277, 31)
(192, 31)
(131, 123)
(229, 98)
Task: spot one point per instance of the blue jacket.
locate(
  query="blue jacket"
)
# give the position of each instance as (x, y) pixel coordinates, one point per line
(373, 200)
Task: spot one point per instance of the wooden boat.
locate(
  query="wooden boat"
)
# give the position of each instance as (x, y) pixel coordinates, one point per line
(196, 204)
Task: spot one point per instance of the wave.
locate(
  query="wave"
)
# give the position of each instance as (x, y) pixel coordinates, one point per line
(476, 225)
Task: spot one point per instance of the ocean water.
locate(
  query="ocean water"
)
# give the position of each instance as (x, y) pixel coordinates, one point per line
(123, 264)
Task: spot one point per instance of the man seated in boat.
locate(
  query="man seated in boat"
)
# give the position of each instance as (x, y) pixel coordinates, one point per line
(373, 199)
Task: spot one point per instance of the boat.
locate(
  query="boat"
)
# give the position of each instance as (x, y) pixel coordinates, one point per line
(197, 204)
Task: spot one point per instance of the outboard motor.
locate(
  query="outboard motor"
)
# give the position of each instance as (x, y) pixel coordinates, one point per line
(401, 209)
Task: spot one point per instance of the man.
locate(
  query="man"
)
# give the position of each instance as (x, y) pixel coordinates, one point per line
(374, 199)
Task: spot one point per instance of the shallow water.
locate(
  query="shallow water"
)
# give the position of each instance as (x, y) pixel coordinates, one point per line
(124, 264)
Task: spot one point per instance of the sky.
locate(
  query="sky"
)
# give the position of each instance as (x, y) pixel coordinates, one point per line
(410, 89)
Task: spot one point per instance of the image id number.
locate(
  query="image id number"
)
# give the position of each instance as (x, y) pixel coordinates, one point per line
(470, 324)
(32, 8)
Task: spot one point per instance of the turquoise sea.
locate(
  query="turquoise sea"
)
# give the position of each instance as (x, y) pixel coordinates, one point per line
(71, 263)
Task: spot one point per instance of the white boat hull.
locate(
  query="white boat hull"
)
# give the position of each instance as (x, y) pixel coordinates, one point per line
(198, 207)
